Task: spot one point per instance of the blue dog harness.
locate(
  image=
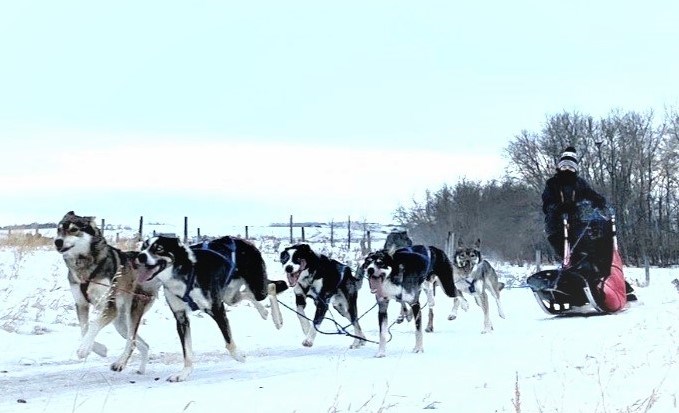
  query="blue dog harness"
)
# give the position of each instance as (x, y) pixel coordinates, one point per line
(212, 247)
(423, 252)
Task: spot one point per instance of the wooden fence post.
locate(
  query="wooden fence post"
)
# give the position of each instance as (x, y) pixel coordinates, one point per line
(538, 260)
(198, 232)
(332, 233)
(303, 238)
(103, 226)
(369, 242)
(291, 229)
(247, 235)
(349, 232)
(186, 229)
(141, 228)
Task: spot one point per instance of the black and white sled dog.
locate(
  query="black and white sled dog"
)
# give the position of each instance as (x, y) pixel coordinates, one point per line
(475, 276)
(205, 277)
(102, 277)
(326, 281)
(399, 239)
(401, 275)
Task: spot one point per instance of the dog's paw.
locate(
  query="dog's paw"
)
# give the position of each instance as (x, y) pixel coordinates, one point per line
(418, 349)
(380, 354)
(452, 317)
(357, 343)
(465, 305)
(400, 319)
(429, 329)
(175, 378)
(83, 351)
(117, 366)
(181, 376)
(307, 343)
(238, 357)
(99, 349)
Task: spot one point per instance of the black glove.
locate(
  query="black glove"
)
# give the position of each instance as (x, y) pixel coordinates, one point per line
(568, 207)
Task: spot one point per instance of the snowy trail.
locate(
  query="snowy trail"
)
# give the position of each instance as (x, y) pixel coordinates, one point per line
(607, 363)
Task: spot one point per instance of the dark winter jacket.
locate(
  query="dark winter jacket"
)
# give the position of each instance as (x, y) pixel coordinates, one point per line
(561, 194)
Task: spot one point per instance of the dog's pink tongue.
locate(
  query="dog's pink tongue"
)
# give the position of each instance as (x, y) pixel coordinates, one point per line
(292, 279)
(376, 287)
(144, 274)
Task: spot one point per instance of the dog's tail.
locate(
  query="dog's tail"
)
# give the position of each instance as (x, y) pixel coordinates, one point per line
(278, 286)
(443, 268)
(250, 263)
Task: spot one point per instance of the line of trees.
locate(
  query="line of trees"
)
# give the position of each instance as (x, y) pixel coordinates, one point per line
(631, 158)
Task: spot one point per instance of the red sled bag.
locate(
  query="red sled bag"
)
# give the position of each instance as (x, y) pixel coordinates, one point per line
(613, 287)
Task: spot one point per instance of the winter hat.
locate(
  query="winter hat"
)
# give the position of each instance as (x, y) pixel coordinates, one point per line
(569, 159)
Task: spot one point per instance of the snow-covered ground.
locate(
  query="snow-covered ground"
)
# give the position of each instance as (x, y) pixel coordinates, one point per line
(627, 362)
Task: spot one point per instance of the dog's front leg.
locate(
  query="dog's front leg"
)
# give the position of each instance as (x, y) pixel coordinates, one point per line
(106, 315)
(127, 324)
(184, 331)
(321, 309)
(482, 301)
(382, 320)
(457, 300)
(300, 300)
(417, 315)
(82, 309)
(276, 315)
(218, 314)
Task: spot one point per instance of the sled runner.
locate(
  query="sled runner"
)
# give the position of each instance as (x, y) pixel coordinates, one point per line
(590, 280)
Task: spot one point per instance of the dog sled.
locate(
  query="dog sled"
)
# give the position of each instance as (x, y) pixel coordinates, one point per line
(590, 280)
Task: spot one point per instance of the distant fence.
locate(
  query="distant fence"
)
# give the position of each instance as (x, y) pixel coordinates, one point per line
(336, 232)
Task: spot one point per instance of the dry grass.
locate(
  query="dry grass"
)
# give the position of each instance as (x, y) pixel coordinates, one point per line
(516, 401)
(26, 241)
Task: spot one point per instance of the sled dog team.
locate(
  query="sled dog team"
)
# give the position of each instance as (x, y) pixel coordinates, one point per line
(120, 286)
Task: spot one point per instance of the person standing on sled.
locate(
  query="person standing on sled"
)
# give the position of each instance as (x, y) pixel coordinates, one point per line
(562, 194)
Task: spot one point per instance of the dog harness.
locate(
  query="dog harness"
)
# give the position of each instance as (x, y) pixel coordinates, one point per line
(421, 251)
(210, 246)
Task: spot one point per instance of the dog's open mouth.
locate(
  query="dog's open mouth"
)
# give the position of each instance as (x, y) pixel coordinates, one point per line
(376, 286)
(146, 272)
(64, 249)
(293, 278)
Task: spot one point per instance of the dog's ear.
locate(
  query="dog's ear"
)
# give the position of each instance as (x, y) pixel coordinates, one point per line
(477, 244)
(92, 223)
(460, 243)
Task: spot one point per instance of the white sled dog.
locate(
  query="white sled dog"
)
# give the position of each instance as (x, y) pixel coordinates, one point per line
(474, 276)
(102, 278)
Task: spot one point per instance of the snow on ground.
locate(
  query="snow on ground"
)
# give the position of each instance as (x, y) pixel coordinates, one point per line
(531, 362)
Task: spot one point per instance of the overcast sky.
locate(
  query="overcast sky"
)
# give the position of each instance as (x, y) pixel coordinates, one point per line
(248, 112)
